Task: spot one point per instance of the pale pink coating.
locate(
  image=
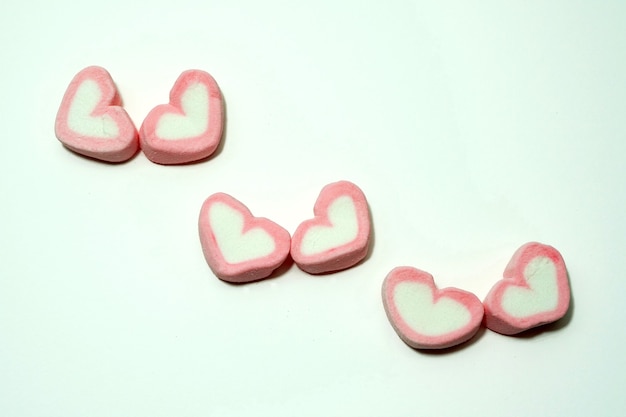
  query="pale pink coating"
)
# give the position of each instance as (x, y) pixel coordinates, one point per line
(247, 271)
(181, 151)
(413, 337)
(497, 318)
(343, 256)
(117, 149)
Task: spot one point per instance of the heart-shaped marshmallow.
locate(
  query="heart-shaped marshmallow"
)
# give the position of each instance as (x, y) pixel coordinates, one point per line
(426, 317)
(535, 291)
(338, 236)
(189, 128)
(90, 120)
(238, 246)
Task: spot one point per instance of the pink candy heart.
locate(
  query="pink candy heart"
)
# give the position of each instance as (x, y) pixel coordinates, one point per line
(535, 291)
(338, 236)
(190, 127)
(90, 120)
(238, 246)
(426, 317)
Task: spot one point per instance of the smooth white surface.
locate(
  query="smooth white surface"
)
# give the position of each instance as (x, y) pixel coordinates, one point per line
(541, 295)
(194, 120)
(417, 308)
(471, 127)
(79, 117)
(236, 245)
(343, 230)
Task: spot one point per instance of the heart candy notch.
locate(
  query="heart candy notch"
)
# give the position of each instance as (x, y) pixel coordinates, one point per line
(238, 246)
(190, 127)
(91, 121)
(535, 291)
(426, 317)
(339, 234)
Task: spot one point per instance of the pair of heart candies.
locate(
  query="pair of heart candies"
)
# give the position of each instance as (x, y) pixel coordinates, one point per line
(92, 122)
(242, 248)
(534, 291)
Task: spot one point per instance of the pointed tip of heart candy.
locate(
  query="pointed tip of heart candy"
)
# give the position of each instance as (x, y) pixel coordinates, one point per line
(338, 237)
(238, 247)
(188, 129)
(535, 291)
(91, 121)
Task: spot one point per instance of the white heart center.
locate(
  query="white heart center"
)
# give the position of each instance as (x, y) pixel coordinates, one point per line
(542, 294)
(236, 246)
(79, 117)
(344, 229)
(195, 118)
(414, 301)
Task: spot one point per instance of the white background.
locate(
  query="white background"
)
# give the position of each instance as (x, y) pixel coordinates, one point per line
(472, 129)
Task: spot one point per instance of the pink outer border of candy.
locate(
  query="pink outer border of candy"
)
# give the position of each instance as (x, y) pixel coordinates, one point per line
(180, 151)
(415, 339)
(342, 257)
(253, 270)
(499, 320)
(119, 149)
